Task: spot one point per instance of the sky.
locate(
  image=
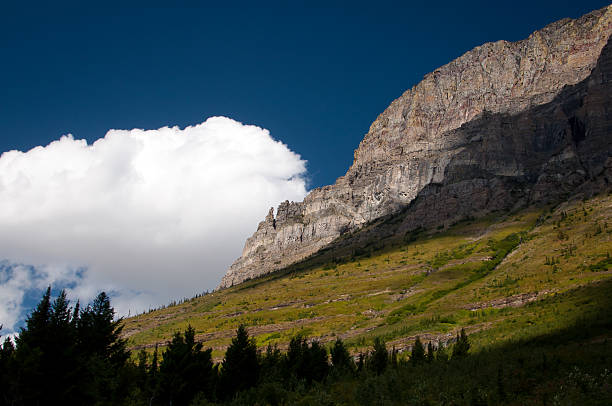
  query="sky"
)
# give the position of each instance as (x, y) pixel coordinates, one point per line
(245, 104)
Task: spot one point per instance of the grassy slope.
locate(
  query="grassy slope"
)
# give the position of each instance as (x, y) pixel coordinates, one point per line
(553, 265)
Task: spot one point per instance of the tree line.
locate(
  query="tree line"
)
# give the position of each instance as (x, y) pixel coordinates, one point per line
(76, 356)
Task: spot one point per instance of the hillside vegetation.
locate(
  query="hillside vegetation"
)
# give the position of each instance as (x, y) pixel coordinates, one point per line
(504, 278)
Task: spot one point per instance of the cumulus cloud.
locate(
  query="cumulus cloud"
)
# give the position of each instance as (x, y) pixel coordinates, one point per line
(150, 215)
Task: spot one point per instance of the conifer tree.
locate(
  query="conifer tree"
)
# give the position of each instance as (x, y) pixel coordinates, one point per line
(360, 362)
(240, 366)
(99, 334)
(379, 358)
(340, 357)
(306, 362)
(318, 366)
(418, 352)
(49, 365)
(271, 365)
(6, 367)
(462, 346)
(430, 352)
(154, 362)
(394, 362)
(441, 354)
(185, 370)
(37, 323)
(142, 364)
(152, 382)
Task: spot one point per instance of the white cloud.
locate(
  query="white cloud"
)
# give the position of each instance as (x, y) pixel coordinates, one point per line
(153, 215)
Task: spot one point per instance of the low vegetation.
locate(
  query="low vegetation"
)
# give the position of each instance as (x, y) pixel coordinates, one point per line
(509, 309)
(488, 275)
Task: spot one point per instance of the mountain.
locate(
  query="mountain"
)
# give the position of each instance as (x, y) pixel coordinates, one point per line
(506, 231)
(506, 277)
(504, 126)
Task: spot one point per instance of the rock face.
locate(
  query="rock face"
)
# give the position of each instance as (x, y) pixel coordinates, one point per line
(506, 124)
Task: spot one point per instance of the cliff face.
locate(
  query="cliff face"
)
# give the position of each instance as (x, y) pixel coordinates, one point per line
(503, 125)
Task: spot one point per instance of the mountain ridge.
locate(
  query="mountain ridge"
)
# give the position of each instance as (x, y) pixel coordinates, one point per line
(419, 146)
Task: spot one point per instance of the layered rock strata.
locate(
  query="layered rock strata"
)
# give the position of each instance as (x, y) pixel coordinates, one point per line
(505, 124)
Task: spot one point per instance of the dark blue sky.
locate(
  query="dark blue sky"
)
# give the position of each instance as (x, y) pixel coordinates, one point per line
(316, 75)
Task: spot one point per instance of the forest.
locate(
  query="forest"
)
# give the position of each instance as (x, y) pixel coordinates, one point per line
(76, 356)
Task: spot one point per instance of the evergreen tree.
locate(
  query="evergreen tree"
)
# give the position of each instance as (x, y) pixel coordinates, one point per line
(45, 353)
(379, 357)
(185, 370)
(360, 362)
(65, 356)
(152, 382)
(430, 352)
(441, 354)
(154, 362)
(318, 366)
(99, 343)
(142, 365)
(462, 346)
(76, 314)
(271, 365)
(394, 362)
(6, 367)
(418, 352)
(99, 334)
(37, 323)
(340, 357)
(306, 362)
(240, 366)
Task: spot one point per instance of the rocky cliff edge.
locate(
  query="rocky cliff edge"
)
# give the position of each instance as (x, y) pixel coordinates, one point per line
(506, 124)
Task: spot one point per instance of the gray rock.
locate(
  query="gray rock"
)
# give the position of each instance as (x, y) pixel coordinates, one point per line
(504, 125)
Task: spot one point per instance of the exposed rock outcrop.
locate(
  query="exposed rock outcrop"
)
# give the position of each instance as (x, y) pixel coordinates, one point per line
(505, 124)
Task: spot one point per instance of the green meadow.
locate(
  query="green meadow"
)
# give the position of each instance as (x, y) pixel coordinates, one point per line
(505, 278)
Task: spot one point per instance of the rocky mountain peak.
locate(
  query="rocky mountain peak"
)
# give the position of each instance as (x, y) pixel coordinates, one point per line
(505, 124)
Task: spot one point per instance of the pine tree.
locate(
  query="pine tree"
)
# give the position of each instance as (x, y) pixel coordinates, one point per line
(379, 358)
(306, 362)
(271, 365)
(462, 346)
(49, 365)
(37, 323)
(418, 352)
(394, 362)
(360, 362)
(99, 334)
(318, 366)
(7, 352)
(152, 385)
(430, 352)
(69, 356)
(340, 357)
(441, 354)
(154, 363)
(240, 366)
(185, 370)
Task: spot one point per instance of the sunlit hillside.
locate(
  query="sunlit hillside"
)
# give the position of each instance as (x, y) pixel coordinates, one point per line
(505, 277)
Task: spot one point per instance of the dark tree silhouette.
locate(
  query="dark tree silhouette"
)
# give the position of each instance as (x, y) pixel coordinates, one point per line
(462, 346)
(341, 359)
(185, 370)
(418, 352)
(240, 366)
(307, 362)
(430, 353)
(379, 358)
(68, 356)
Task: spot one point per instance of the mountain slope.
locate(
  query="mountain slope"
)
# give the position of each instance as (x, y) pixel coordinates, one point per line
(506, 276)
(476, 200)
(505, 124)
